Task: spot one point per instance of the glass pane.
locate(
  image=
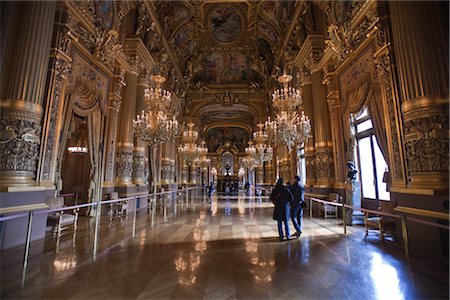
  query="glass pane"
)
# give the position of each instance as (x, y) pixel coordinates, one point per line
(365, 157)
(364, 126)
(381, 168)
(362, 115)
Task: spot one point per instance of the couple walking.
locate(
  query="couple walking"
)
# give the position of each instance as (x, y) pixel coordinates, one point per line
(288, 201)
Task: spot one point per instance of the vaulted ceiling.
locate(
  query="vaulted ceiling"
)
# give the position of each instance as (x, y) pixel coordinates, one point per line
(229, 54)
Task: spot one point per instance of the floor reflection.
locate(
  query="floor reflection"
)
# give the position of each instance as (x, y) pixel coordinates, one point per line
(385, 279)
(226, 247)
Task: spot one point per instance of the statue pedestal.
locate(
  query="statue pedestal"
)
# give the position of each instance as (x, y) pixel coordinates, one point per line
(353, 198)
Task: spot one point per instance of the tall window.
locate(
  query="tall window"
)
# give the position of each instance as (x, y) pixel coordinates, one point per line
(372, 164)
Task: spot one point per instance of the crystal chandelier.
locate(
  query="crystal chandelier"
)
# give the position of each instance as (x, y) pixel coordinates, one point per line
(190, 151)
(203, 154)
(262, 152)
(249, 161)
(288, 128)
(287, 98)
(154, 126)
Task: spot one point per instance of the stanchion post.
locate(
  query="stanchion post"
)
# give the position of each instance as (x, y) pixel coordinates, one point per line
(134, 216)
(97, 223)
(343, 218)
(27, 244)
(310, 207)
(405, 236)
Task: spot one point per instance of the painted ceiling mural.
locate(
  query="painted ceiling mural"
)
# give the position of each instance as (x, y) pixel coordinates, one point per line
(223, 43)
(227, 137)
(229, 52)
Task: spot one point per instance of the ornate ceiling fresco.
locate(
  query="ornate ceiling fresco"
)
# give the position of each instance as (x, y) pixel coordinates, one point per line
(227, 53)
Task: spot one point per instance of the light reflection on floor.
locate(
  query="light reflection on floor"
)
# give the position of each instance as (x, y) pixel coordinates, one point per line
(226, 247)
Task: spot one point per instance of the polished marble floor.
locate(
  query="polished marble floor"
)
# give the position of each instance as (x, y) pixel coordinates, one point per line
(228, 248)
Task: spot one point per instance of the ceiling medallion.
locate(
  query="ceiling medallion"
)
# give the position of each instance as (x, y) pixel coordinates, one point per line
(225, 23)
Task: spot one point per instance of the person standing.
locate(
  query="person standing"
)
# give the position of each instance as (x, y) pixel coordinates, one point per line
(281, 197)
(298, 203)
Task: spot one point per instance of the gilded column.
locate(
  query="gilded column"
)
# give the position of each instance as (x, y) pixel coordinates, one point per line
(334, 107)
(259, 174)
(139, 145)
(59, 69)
(423, 83)
(125, 145)
(322, 133)
(166, 164)
(268, 167)
(306, 85)
(184, 172)
(116, 101)
(22, 88)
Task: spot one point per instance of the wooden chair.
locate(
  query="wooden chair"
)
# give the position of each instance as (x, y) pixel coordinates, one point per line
(60, 219)
(330, 210)
(380, 222)
(117, 208)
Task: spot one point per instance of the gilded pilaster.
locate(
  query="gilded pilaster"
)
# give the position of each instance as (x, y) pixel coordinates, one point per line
(306, 84)
(116, 102)
(322, 133)
(22, 87)
(259, 174)
(60, 66)
(334, 106)
(124, 165)
(139, 145)
(269, 179)
(423, 83)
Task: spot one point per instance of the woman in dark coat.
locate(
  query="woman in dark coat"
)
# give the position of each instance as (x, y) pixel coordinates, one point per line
(281, 197)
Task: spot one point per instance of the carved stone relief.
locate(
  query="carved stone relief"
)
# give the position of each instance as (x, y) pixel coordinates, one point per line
(124, 166)
(19, 144)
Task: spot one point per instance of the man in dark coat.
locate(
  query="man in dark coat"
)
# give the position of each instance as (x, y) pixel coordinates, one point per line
(281, 197)
(297, 205)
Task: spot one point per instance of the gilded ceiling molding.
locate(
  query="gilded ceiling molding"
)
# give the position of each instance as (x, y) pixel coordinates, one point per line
(153, 15)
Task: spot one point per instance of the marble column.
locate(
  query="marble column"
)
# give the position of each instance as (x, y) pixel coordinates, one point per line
(322, 133)
(124, 166)
(22, 89)
(306, 85)
(421, 54)
(139, 145)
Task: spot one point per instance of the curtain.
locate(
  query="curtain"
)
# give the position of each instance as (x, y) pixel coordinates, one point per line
(376, 112)
(368, 95)
(95, 151)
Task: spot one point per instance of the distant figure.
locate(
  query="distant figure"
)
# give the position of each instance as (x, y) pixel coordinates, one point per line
(210, 189)
(297, 205)
(247, 187)
(281, 196)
